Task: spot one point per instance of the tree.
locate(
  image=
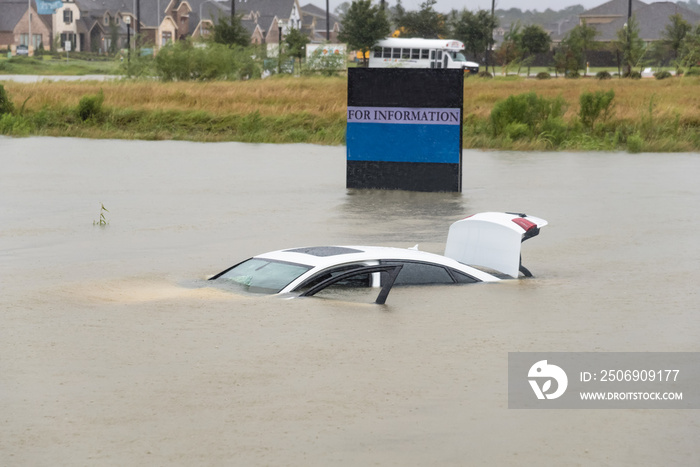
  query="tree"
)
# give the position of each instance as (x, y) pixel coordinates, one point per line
(296, 44)
(230, 31)
(675, 32)
(341, 10)
(583, 37)
(572, 54)
(509, 52)
(629, 45)
(534, 40)
(363, 25)
(690, 49)
(426, 22)
(475, 30)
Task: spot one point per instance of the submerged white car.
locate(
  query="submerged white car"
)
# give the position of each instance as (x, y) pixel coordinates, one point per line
(484, 247)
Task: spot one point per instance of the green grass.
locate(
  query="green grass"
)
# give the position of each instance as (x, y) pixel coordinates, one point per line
(51, 65)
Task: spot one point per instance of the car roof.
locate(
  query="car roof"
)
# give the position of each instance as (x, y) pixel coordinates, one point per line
(327, 256)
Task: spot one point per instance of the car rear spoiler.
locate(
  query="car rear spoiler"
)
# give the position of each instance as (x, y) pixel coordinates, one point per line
(492, 240)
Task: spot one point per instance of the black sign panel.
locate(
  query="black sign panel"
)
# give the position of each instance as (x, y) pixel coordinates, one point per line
(404, 129)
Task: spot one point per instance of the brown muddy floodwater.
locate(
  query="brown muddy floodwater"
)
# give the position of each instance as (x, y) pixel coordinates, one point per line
(114, 352)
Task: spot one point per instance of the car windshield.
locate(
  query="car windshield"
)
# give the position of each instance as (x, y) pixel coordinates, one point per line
(263, 276)
(458, 57)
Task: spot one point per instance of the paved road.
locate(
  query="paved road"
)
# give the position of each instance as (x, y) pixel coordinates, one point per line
(38, 78)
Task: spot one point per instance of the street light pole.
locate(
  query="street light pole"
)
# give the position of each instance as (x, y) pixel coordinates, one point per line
(280, 23)
(628, 65)
(137, 29)
(489, 43)
(127, 20)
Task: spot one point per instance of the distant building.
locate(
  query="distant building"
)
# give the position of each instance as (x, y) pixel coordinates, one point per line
(652, 18)
(99, 25)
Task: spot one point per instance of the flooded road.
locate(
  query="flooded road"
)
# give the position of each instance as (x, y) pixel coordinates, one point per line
(113, 351)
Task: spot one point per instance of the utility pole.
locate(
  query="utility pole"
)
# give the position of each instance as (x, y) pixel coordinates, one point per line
(328, 21)
(628, 64)
(490, 39)
(137, 29)
(233, 10)
(29, 18)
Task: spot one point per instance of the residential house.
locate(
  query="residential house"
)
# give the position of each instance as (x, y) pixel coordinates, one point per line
(15, 26)
(652, 18)
(99, 26)
(314, 24)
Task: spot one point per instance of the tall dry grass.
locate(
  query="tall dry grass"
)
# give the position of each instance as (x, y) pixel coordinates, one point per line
(663, 114)
(327, 96)
(679, 96)
(316, 96)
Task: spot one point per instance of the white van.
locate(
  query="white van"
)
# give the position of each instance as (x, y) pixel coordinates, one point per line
(420, 53)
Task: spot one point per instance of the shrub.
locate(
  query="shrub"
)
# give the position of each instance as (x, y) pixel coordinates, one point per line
(693, 72)
(573, 75)
(516, 130)
(662, 74)
(14, 125)
(543, 75)
(90, 107)
(182, 61)
(528, 109)
(6, 105)
(603, 75)
(554, 131)
(484, 74)
(595, 105)
(634, 143)
(634, 75)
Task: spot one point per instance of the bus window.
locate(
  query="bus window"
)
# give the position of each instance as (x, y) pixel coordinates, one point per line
(377, 52)
(387, 52)
(432, 55)
(415, 54)
(406, 53)
(439, 55)
(424, 54)
(444, 61)
(396, 53)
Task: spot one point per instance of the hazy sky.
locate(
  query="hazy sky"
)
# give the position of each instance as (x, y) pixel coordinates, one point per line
(447, 5)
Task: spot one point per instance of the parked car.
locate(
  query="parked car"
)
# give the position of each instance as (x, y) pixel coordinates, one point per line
(481, 248)
(22, 50)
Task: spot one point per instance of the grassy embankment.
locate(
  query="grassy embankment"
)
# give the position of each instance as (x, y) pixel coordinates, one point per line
(647, 115)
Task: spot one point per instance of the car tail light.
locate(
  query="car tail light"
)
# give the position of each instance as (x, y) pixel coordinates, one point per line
(524, 223)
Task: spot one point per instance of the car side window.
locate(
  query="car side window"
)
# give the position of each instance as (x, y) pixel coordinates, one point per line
(462, 278)
(416, 273)
(360, 280)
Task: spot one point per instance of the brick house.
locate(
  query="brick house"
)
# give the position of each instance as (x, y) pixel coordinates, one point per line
(14, 26)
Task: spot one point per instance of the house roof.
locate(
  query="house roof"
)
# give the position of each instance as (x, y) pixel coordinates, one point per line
(319, 14)
(652, 19)
(12, 12)
(267, 8)
(613, 8)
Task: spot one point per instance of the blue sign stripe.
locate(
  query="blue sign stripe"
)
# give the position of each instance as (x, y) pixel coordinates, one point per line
(397, 142)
